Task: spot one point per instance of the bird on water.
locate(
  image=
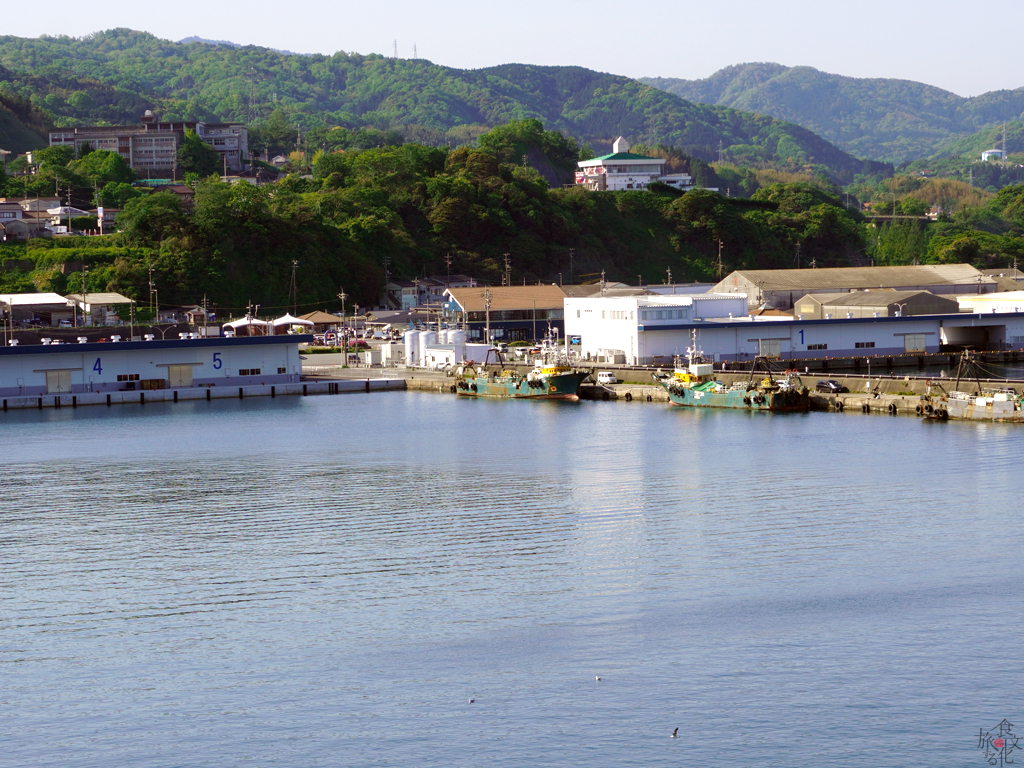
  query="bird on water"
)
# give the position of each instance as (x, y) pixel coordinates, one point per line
(472, 700)
(675, 733)
(597, 678)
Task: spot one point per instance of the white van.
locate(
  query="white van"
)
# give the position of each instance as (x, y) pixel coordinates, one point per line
(606, 377)
(64, 324)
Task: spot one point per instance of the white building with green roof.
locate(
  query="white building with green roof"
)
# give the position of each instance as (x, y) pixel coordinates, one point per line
(624, 170)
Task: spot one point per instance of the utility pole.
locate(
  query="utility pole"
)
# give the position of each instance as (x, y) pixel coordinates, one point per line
(669, 272)
(506, 280)
(448, 264)
(151, 294)
(86, 314)
(798, 255)
(720, 258)
(487, 315)
(572, 254)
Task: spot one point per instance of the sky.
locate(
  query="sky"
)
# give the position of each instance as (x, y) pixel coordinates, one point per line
(966, 48)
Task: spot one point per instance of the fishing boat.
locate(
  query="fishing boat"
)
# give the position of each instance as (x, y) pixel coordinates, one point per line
(981, 404)
(553, 377)
(694, 385)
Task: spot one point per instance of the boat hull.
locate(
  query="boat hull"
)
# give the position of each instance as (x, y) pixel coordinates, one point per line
(782, 401)
(563, 386)
(941, 410)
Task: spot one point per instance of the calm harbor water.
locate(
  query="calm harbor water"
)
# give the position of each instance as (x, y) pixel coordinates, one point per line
(327, 581)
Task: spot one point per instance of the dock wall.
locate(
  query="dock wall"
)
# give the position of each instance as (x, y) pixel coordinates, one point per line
(336, 387)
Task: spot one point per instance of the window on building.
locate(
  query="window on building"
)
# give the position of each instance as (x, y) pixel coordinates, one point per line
(817, 346)
(280, 369)
(864, 345)
(248, 371)
(127, 376)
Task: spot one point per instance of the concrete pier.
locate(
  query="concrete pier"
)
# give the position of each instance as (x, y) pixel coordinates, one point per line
(144, 397)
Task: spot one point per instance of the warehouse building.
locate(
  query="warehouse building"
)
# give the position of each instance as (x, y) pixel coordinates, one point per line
(55, 369)
(609, 330)
(782, 288)
(507, 313)
(825, 306)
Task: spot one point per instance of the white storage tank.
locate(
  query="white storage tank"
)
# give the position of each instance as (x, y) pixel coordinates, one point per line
(412, 347)
(427, 339)
(457, 337)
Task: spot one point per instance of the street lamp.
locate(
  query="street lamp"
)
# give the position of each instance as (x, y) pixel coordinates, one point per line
(899, 309)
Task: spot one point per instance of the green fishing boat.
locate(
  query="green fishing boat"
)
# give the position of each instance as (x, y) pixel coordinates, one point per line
(694, 386)
(553, 378)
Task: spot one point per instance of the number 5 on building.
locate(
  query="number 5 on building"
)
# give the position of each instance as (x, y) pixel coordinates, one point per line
(217, 362)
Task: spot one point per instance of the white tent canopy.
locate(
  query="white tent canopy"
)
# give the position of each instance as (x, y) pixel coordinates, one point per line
(246, 321)
(67, 210)
(287, 319)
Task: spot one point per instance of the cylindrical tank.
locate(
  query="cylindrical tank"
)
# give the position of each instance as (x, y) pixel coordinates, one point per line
(412, 347)
(445, 337)
(457, 337)
(427, 339)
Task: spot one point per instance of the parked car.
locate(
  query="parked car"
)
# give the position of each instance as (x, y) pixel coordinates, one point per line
(829, 386)
(64, 324)
(607, 377)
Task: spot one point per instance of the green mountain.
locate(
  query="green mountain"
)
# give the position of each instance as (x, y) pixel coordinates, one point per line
(118, 69)
(22, 125)
(895, 120)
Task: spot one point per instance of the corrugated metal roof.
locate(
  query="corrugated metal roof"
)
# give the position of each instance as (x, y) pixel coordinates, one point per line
(873, 298)
(610, 289)
(99, 299)
(32, 299)
(510, 297)
(857, 277)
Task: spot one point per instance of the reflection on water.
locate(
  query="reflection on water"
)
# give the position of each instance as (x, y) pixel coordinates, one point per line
(328, 581)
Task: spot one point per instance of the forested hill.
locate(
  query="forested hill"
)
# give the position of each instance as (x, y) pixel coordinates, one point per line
(894, 120)
(22, 125)
(116, 69)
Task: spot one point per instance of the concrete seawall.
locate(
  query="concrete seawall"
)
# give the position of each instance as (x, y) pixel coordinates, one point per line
(312, 387)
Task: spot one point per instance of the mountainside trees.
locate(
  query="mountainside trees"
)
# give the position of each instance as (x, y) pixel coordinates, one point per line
(885, 119)
(433, 104)
(413, 207)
